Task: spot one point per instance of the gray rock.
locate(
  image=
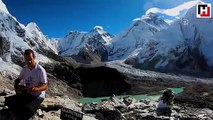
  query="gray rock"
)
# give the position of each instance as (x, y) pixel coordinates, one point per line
(4, 45)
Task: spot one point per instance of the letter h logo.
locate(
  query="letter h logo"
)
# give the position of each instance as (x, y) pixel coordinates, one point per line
(204, 10)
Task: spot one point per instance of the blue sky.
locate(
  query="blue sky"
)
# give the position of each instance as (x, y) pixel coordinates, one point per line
(57, 17)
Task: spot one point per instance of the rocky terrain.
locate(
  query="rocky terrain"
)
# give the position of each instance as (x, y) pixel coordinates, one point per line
(130, 109)
(114, 108)
(49, 109)
(194, 103)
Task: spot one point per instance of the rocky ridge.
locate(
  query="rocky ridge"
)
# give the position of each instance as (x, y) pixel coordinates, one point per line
(112, 109)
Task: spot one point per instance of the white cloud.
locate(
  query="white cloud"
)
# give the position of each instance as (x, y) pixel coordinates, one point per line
(174, 11)
(98, 27)
(136, 19)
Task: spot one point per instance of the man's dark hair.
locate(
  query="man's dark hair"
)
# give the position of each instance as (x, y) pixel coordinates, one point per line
(29, 51)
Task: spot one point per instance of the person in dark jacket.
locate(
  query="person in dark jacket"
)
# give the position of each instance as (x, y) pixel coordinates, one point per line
(165, 103)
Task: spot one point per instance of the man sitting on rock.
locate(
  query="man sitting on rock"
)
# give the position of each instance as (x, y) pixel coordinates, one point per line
(165, 104)
(29, 96)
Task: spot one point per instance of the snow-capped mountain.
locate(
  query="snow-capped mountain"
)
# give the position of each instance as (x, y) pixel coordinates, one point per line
(205, 29)
(77, 42)
(41, 41)
(133, 38)
(183, 45)
(149, 43)
(3, 7)
(172, 14)
(15, 38)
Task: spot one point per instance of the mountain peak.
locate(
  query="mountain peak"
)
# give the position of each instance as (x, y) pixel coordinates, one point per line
(3, 7)
(147, 16)
(33, 27)
(98, 28)
(73, 32)
(152, 19)
(150, 15)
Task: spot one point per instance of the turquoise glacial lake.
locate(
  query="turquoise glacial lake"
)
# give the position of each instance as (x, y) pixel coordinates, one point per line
(137, 97)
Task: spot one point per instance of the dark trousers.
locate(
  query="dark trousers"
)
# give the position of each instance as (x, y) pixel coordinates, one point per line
(24, 104)
(164, 111)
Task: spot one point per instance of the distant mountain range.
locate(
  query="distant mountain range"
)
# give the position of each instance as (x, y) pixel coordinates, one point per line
(162, 39)
(86, 46)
